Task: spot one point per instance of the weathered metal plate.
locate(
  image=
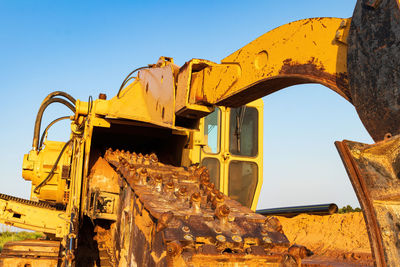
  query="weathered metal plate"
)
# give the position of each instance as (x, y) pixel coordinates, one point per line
(373, 65)
(38, 253)
(36, 216)
(374, 171)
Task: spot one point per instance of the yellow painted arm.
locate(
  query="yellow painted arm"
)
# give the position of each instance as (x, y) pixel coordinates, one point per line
(305, 51)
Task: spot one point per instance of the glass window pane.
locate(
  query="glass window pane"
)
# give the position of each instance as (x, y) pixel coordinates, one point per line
(212, 132)
(213, 168)
(243, 132)
(243, 178)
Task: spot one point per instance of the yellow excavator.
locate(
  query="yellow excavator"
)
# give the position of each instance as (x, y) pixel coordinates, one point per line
(168, 171)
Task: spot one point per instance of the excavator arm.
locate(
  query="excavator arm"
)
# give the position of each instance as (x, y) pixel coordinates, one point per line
(305, 51)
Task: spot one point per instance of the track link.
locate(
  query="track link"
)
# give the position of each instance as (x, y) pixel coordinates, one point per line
(40, 204)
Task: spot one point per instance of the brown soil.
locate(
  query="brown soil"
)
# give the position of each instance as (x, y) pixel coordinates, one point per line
(337, 237)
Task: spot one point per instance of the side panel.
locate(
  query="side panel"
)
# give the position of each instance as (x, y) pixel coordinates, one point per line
(32, 215)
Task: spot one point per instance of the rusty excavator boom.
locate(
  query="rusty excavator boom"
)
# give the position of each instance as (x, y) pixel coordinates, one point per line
(168, 172)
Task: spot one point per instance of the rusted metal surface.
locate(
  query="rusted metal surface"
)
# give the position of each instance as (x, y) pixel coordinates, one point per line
(35, 253)
(150, 98)
(104, 238)
(374, 171)
(103, 176)
(373, 65)
(184, 101)
(372, 3)
(326, 262)
(103, 192)
(313, 71)
(173, 216)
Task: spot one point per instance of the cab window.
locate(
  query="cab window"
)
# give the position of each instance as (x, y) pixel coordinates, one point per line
(213, 167)
(212, 132)
(243, 131)
(243, 178)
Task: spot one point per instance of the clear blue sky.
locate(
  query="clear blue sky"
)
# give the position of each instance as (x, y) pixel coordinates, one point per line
(87, 47)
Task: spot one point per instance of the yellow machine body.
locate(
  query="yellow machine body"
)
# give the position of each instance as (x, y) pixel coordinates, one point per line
(168, 172)
(36, 167)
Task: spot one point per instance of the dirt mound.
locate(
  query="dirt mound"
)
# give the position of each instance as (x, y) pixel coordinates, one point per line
(339, 237)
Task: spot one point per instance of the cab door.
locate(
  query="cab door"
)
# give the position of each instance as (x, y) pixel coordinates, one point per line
(233, 151)
(211, 152)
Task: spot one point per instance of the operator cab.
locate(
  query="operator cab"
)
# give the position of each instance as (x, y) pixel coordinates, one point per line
(232, 151)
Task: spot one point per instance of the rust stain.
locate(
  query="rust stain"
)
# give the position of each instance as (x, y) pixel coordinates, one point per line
(315, 70)
(291, 73)
(30, 253)
(238, 54)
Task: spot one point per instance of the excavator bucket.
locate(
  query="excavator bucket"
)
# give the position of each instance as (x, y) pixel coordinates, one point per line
(374, 171)
(373, 57)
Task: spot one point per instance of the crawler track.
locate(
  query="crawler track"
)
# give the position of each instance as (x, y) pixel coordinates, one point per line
(173, 216)
(40, 204)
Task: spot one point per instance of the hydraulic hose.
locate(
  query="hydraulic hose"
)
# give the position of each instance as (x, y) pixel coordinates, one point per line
(51, 173)
(48, 127)
(60, 93)
(39, 116)
(126, 80)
